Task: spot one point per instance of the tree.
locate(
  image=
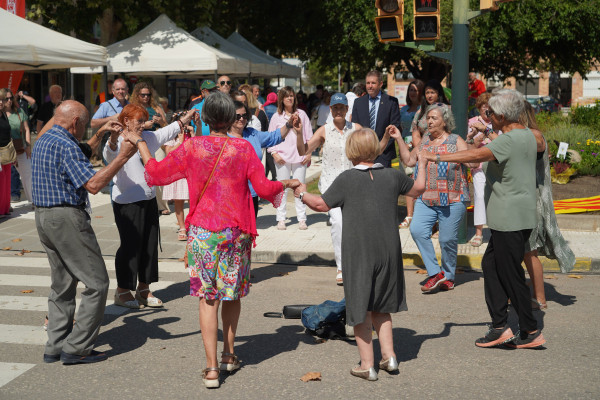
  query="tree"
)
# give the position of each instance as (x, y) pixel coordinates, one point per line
(549, 35)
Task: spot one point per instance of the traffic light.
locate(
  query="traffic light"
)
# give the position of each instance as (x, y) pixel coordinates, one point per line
(389, 21)
(427, 19)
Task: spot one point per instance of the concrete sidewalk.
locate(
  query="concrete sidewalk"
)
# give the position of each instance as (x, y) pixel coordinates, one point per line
(310, 247)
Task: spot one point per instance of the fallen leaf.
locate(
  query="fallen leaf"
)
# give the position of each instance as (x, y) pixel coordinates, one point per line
(7, 248)
(421, 272)
(27, 291)
(575, 276)
(283, 273)
(18, 254)
(17, 240)
(25, 251)
(311, 376)
(98, 216)
(550, 277)
(181, 259)
(320, 340)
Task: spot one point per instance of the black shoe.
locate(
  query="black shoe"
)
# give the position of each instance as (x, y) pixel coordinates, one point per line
(51, 358)
(495, 337)
(524, 340)
(93, 357)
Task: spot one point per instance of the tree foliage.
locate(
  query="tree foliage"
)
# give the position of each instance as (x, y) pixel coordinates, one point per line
(551, 35)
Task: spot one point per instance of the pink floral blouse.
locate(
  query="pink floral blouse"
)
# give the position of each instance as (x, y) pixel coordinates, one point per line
(226, 203)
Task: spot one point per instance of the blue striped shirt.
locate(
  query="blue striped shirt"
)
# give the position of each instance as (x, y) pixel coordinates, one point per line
(59, 170)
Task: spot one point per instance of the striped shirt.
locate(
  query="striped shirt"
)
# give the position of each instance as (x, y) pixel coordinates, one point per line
(59, 170)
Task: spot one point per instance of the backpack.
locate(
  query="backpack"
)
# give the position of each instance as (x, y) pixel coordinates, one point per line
(326, 320)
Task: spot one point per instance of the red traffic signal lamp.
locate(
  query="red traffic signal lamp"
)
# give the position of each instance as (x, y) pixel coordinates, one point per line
(426, 19)
(389, 21)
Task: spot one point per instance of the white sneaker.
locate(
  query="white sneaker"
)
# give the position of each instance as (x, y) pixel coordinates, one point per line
(302, 225)
(281, 225)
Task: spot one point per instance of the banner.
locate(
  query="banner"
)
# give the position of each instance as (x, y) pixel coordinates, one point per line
(12, 79)
(95, 89)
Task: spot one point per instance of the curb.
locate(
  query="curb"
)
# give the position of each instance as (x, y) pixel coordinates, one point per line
(468, 262)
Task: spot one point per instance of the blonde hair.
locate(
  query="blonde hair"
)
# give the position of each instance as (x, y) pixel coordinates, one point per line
(153, 95)
(362, 146)
(247, 89)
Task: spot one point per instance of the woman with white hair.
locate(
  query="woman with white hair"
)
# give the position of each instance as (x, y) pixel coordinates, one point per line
(511, 215)
(446, 193)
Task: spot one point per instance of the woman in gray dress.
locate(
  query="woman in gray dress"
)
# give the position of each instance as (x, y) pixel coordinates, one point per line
(545, 239)
(371, 253)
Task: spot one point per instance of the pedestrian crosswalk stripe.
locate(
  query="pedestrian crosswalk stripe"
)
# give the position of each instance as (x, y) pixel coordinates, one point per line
(23, 334)
(27, 303)
(42, 262)
(9, 371)
(27, 281)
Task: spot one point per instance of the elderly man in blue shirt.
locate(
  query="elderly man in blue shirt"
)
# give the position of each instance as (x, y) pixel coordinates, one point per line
(62, 178)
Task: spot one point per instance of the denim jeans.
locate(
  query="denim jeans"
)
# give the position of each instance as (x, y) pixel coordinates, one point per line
(15, 182)
(449, 218)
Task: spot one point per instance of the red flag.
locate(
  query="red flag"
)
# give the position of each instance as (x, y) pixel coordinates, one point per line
(12, 79)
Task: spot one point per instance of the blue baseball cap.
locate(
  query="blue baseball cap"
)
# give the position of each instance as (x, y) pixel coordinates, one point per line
(338, 98)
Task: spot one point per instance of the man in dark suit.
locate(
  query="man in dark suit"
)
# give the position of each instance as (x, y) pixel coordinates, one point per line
(377, 110)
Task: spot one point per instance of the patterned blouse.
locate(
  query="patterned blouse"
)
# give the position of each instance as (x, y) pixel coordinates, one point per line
(226, 202)
(334, 154)
(445, 182)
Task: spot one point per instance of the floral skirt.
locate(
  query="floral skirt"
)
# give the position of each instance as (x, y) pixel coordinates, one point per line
(219, 263)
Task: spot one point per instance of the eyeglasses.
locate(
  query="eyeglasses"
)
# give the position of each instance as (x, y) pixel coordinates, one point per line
(240, 116)
(223, 83)
(489, 112)
(145, 94)
(8, 98)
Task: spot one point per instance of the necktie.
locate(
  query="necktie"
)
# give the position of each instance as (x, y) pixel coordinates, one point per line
(372, 114)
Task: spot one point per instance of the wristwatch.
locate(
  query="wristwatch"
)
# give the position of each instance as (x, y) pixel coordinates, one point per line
(437, 159)
(139, 140)
(288, 125)
(301, 196)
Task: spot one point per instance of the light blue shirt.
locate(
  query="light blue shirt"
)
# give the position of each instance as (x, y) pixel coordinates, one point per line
(205, 129)
(378, 99)
(260, 140)
(109, 108)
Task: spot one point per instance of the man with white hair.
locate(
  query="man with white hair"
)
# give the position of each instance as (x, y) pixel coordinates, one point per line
(510, 202)
(62, 178)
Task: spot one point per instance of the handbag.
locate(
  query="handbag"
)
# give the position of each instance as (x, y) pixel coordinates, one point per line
(8, 155)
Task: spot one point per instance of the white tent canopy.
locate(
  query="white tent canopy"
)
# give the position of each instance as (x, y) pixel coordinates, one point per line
(28, 46)
(286, 70)
(260, 65)
(162, 48)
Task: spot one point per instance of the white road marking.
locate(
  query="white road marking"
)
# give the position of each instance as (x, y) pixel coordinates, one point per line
(10, 371)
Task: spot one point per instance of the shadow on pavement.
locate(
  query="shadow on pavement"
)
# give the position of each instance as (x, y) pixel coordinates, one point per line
(553, 295)
(135, 331)
(266, 272)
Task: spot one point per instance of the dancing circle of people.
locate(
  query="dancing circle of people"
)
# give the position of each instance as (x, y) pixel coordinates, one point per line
(216, 165)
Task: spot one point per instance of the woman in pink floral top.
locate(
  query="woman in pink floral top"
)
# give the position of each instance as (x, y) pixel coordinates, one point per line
(221, 224)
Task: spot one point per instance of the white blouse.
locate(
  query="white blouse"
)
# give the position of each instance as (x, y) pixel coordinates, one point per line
(334, 160)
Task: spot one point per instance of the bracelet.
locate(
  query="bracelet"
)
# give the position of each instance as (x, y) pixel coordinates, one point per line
(288, 125)
(470, 141)
(301, 197)
(113, 143)
(437, 159)
(180, 125)
(139, 140)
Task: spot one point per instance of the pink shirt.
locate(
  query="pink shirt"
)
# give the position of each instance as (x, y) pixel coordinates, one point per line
(288, 149)
(227, 202)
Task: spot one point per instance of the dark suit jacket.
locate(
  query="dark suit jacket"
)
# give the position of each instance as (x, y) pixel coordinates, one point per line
(388, 114)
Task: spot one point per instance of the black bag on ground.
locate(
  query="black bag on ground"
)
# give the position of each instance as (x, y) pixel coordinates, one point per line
(326, 320)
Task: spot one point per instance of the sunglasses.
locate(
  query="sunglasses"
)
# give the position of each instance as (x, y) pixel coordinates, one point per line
(489, 112)
(145, 94)
(8, 98)
(223, 83)
(240, 116)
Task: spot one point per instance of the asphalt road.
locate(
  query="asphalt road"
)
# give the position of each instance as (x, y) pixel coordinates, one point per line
(158, 353)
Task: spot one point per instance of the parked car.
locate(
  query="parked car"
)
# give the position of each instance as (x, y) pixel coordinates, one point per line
(544, 103)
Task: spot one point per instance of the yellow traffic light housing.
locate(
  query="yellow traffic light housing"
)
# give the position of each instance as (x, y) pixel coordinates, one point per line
(491, 5)
(389, 21)
(426, 19)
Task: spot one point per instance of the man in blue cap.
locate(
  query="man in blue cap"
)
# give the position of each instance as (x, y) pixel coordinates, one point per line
(206, 88)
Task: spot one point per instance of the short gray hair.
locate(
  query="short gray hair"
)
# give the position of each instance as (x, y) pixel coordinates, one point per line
(508, 103)
(446, 115)
(218, 111)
